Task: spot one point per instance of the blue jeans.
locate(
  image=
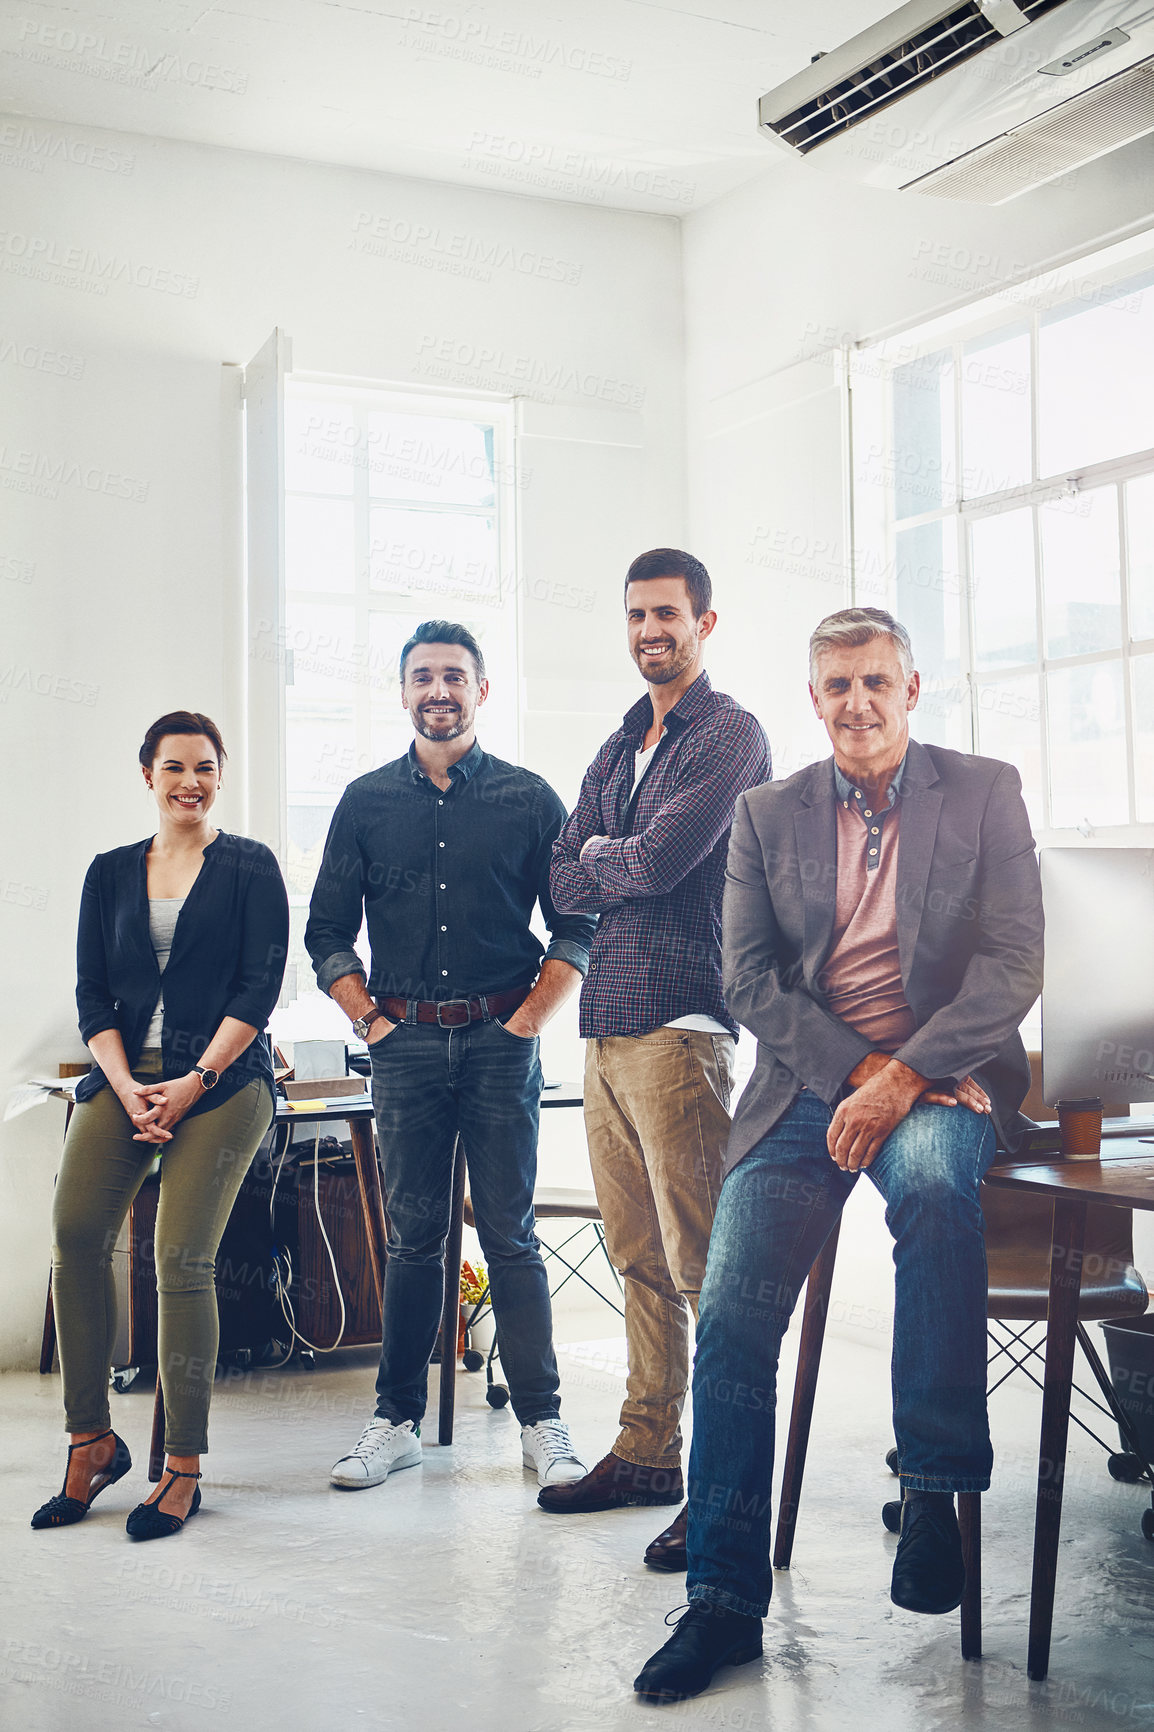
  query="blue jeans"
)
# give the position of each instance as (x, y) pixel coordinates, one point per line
(775, 1212)
(429, 1085)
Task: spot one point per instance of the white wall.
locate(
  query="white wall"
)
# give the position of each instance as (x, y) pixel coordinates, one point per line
(121, 576)
(778, 276)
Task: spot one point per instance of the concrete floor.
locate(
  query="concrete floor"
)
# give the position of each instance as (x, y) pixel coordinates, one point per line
(446, 1599)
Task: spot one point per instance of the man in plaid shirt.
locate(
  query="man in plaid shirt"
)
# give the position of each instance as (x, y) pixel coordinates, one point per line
(645, 849)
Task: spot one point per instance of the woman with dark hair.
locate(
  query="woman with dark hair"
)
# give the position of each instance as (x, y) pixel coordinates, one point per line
(180, 955)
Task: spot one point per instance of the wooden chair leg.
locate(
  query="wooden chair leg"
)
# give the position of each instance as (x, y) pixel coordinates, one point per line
(970, 1523)
(817, 1291)
(372, 1200)
(451, 1309)
(156, 1446)
(48, 1339)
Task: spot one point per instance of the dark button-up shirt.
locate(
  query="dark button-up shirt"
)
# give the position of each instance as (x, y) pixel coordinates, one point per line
(446, 880)
(657, 883)
(857, 800)
(227, 959)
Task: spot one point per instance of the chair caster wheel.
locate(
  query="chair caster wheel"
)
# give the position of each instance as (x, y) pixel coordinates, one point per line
(1125, 1467)
(1148, 1524)
(892, 1460)
(472, 1360)
(497, 1395)
(892, 1517)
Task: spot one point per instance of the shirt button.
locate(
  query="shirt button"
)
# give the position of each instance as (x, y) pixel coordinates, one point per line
(440, 844)
(868, 814)
(440, 802)
(443, 886)
(873, 828)
(444, 971)
(444, 929)
(873, 850)
(857, 793)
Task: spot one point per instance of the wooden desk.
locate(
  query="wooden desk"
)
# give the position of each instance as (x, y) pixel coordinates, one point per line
(358, 1115)
(1124, 1176)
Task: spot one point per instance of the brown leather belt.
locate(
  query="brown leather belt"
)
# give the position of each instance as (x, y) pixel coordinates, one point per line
(454, 1012)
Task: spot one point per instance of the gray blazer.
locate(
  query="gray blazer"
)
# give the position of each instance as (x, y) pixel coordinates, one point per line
(969, 909)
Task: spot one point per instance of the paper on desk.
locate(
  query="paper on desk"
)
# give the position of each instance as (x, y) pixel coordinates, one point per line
(35, 1091)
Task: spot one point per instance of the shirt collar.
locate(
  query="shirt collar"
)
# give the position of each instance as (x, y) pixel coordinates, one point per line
(462, 771)
(846, 789)
(638, 719)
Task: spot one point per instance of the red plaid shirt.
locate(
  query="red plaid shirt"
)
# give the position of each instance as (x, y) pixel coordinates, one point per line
(657, 883)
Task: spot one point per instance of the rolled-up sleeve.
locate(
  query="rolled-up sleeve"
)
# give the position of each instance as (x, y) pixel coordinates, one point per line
(263, 943)
(337, 905)
(95, 1003)
(570, 933)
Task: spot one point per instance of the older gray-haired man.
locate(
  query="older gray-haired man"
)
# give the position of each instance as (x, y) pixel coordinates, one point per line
(882, 938)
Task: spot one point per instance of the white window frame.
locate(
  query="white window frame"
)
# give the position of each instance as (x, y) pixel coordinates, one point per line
(869, 369)
(360, 396)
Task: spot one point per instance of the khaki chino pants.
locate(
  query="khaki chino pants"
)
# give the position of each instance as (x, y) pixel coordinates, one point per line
(657, 1119)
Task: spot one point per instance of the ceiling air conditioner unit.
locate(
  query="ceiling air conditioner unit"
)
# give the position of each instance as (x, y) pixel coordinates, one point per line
(979, 101)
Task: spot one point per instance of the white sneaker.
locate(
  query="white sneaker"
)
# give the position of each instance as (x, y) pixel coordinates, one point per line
(381, 1447)
(548, 1449)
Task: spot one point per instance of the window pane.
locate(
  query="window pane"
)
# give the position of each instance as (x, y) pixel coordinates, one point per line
(1096, 377)
(420, 457)
(319, 749)
(1140, 552)
(927, 595)
(319, 544)
(996, 413)
(922, 457)
(1080, 574)
(942, 717)
(325, 664)
(1009, 727)
(1002, 581)
(418, 553)
(1087, 746)
(323, 445)
(1143, 667)
(307, 828)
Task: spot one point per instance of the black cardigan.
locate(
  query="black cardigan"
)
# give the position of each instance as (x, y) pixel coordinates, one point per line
(227, 959)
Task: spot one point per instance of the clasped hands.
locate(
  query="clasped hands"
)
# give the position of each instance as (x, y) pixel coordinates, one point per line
(885, 1091)
(160, 1106)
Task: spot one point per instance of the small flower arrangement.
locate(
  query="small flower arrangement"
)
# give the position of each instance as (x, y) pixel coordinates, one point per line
(474, 1284)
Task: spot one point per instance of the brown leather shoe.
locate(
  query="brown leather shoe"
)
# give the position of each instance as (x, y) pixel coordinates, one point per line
(613, 1484)
(667, 1551)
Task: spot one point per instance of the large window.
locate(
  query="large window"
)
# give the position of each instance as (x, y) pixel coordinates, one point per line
(1004, 508)
(397, 510)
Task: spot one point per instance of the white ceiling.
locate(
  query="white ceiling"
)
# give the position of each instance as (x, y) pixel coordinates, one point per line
(640, 104)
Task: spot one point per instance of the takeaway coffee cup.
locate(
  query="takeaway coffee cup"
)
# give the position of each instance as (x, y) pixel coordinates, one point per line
(1080, 1123)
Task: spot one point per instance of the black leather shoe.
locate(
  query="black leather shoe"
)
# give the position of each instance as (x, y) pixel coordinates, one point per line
(929, 1574)
(62, 1511)
(706, 1637)
(613, 1484)
(667, 1551)
(149, 1522)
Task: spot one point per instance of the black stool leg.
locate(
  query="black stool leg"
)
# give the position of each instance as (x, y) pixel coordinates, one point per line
(970, 1524)
(451, 1309)
(817, 1290)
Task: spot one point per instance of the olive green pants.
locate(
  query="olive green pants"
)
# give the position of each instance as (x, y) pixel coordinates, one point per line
(100, 1173)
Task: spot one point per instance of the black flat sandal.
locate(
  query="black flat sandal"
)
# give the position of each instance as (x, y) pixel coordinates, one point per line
(62, 1511)
(149, 1522)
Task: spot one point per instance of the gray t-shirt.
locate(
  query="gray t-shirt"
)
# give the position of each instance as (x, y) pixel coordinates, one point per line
(163, 913)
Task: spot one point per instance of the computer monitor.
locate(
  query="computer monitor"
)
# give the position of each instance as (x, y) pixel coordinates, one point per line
(1098, 997)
